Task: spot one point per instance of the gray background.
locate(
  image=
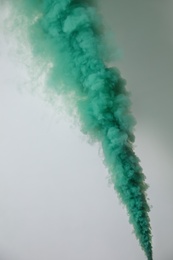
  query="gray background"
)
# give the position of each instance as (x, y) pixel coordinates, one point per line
(55, 201)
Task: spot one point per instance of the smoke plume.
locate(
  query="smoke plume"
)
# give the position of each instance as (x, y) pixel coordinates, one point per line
(68, 36)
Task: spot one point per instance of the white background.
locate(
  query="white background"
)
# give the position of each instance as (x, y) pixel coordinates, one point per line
(55, 201)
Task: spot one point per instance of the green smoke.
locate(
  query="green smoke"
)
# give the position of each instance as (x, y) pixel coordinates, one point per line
(68, 34)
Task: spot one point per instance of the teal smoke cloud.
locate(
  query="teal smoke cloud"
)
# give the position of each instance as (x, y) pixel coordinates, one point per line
(68, 35)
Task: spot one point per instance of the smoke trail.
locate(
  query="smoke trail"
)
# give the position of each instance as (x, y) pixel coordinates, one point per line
(68, 34)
